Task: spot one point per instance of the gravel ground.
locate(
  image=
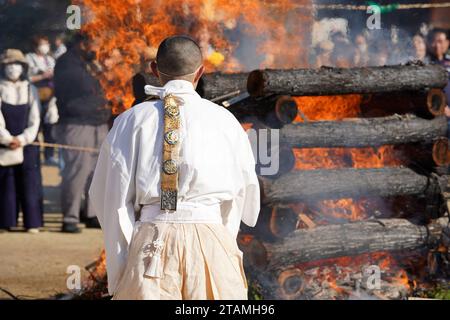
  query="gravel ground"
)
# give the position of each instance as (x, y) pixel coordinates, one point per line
(35, 265)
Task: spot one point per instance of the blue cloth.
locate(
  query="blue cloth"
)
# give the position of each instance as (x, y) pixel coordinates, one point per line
(20, 185)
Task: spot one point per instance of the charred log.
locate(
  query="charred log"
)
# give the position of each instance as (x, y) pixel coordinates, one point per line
(331, 81)
(313, 185)
(424, 103)
(272, 111)
(275, 222)
(425, 155)
(350, 239)
(363, 132)
(217, 84)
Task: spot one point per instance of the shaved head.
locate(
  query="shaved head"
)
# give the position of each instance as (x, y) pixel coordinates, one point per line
(178, 56)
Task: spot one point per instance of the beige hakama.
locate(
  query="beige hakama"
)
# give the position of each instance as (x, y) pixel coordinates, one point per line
(200, 261)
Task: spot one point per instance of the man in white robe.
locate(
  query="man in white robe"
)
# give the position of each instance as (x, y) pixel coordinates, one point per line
(217, 188)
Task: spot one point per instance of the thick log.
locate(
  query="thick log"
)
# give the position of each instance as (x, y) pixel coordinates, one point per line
(272, 111)
(283, 154)
(424, 103)
(286, 109)
(350, 239)
(441, 152)
(290, 283)
(363, 132)
(313, 185)
(275, 222)
(336, 81)
(425, 155)
(215, 85)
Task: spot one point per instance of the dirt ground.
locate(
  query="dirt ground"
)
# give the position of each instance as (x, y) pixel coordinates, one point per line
(34, 265)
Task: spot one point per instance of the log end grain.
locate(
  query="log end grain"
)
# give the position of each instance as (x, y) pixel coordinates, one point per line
(436, 102)
(283, 221)
(291, 283)
(441, 152)
(286, 109)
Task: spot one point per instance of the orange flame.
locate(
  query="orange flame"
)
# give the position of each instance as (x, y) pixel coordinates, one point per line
(124, 29)
(338, 108)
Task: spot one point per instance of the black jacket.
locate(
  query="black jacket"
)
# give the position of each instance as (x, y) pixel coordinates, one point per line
(80, 98)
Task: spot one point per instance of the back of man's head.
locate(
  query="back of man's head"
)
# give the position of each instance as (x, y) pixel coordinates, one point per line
(178, 57)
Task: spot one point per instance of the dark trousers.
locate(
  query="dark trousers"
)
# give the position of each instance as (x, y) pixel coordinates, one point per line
(49, 152)
(78, 167)
(21, 188)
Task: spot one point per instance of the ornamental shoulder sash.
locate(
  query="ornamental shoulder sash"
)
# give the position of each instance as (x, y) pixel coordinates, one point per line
(171, 148)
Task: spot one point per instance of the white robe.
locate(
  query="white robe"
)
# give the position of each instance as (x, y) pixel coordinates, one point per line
(217, 165)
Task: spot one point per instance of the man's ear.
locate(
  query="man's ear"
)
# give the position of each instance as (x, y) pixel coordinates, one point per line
(199, 74)
(154, 69)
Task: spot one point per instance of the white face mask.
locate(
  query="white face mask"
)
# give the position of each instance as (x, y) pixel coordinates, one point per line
(44, 48)
(13, 71)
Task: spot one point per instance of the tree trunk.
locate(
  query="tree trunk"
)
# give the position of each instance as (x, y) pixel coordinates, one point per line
(337, 81)
(272, 111)
(314, 185)
(349, 239)
(425, 155)
(363, 132)
(424, 103)
(217, 84)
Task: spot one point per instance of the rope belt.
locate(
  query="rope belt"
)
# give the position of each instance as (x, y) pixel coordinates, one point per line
(186, 213)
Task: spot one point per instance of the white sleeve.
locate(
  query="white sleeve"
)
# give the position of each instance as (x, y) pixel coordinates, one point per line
(34, 119)
(5, 136)
(245, 205)
(32, 67)
(52, 115)
(112, 195)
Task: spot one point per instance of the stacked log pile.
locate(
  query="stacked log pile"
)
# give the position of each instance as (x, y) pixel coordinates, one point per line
(402, 107)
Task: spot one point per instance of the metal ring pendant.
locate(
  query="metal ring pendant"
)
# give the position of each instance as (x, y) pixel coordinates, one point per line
(170, 166)
(171, 137)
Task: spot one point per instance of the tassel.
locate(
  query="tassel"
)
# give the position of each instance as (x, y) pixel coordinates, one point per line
(154, 268)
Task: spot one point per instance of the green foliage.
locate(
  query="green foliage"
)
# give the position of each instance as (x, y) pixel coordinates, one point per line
(254, 291)
(440, 292)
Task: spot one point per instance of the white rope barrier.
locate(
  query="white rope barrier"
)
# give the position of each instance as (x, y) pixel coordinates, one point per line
(65, 146)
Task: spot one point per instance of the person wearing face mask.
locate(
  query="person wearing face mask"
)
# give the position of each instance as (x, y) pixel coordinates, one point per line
(20, 176)
(83, 121)
(41, 69)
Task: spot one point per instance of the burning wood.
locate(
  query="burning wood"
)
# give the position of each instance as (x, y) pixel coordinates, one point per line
(217, 84)
(329, 81)
(273, 111)
(314, 185)
(353, 133)
(425, 155)
(348, 239)
(425, 103)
